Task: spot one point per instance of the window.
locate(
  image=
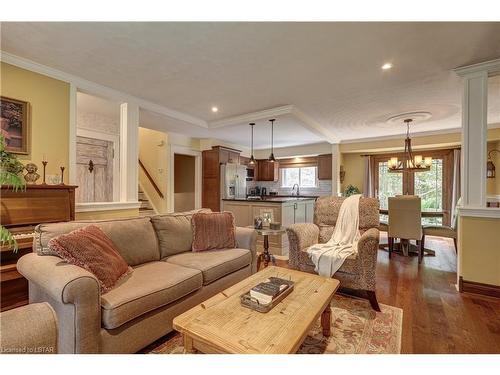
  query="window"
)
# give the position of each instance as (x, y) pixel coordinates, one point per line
(304, 176)
(433, 186)
(389, 184)
(429, 187)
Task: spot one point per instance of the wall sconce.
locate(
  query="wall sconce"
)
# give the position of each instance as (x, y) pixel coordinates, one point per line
(342, 174)
(490, 167)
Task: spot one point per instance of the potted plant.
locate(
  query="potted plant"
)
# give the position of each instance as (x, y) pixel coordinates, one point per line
(10, 170)
(351, 190)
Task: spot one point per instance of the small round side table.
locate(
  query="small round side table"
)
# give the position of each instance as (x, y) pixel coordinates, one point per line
(266, 256)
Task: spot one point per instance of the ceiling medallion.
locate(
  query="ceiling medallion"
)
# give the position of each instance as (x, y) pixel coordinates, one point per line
(416, 116)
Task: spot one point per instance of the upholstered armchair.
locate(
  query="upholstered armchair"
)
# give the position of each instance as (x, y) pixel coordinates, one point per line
(358, 271)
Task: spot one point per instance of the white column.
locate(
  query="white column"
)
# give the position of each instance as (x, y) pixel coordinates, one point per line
(336, 169)
(72, 135)
(474, 138)
(129, 152)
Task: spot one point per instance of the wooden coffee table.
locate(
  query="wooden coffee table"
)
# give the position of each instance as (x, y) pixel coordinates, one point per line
(222, 325)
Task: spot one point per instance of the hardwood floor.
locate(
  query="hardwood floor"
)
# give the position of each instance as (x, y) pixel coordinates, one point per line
(436, 318)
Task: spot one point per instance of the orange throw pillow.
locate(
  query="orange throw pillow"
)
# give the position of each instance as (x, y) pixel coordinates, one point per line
(213, 230)
(92, 250)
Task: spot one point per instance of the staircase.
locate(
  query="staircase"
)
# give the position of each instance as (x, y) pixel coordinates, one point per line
(145, 209)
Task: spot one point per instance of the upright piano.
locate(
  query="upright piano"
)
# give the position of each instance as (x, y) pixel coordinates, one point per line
(21, 212)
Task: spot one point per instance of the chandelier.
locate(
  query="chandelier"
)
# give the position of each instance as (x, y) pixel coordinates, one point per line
(409, 163)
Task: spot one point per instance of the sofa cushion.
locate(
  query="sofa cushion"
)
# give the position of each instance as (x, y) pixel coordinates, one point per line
(174, 231)
(90, 249)
(134, 238)
(214, 264)
(214, 230)
(149, 287)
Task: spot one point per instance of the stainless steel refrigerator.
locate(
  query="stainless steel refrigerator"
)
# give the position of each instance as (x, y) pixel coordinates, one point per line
(233, 181)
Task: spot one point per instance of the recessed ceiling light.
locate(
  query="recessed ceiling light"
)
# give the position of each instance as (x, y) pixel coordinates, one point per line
(215, 109)
(386, 66)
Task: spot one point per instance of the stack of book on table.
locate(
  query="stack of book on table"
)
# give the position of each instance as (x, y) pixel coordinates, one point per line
(270, 290)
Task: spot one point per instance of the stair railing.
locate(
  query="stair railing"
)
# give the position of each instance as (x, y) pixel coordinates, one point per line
(148, 175)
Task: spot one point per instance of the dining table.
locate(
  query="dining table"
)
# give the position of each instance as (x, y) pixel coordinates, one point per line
(385, 211)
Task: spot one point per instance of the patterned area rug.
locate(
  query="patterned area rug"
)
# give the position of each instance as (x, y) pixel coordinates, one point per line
(356, 329)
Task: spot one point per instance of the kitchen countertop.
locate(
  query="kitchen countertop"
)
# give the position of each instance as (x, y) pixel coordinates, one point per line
(273, 199)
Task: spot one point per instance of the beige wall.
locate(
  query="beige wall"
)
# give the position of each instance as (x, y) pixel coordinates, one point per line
(154, 155)
(48, 100)
(479, 250)
(354, 167)
(493, 184)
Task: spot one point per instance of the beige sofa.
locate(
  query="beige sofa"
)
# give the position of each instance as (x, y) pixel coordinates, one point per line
(168, 279)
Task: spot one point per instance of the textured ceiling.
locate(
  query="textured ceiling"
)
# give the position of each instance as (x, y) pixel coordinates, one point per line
(330, 71)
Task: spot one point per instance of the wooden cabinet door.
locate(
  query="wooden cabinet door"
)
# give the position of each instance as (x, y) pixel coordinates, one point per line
(211, 194)
(234, 157)
(300, 212)
(325, 167)
(267, 171)
(210, 163)
(309, 212)
(223, 156)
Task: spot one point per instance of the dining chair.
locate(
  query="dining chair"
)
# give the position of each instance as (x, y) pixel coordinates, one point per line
(444, 230)
(405, 222)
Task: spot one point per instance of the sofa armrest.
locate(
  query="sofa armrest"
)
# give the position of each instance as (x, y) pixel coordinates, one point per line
(73, 292)
(247, 239)
(367, 257)
(300, 237)
(30, 329)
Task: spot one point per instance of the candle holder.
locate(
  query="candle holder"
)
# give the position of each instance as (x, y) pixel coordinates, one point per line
(62, 175)
(44, 162)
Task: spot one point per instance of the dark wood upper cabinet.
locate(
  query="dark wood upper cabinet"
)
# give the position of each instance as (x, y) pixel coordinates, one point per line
(325, 167)
(267, 170)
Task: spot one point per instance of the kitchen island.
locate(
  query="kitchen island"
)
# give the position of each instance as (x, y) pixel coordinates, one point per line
(285, 210)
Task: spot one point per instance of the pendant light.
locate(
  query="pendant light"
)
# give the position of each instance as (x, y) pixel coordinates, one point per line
(271, 157)
(410, 163)
(252, 159)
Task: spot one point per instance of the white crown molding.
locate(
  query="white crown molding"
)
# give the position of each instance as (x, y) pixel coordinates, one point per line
(315, 127)
(479, 211)
(492, 67)
(98, 89)
(252, 116)
(106, 206)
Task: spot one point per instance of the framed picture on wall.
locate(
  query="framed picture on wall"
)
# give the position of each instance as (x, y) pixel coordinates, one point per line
(14, 121)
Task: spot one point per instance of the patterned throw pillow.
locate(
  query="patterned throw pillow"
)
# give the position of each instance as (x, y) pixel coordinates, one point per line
(92, 250)
(213, 231)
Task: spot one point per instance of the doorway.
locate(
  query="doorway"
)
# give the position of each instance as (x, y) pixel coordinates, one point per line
(184, 182)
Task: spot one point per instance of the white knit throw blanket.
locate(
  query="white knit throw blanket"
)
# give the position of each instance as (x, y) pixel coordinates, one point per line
(330, 256)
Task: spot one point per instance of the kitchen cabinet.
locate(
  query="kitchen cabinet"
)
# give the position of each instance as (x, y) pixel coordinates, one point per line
(286, 211)
(267, 170)
(211, 161)
(325, 167)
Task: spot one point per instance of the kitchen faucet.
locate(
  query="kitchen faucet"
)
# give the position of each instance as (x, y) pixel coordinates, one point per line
(293, 189)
